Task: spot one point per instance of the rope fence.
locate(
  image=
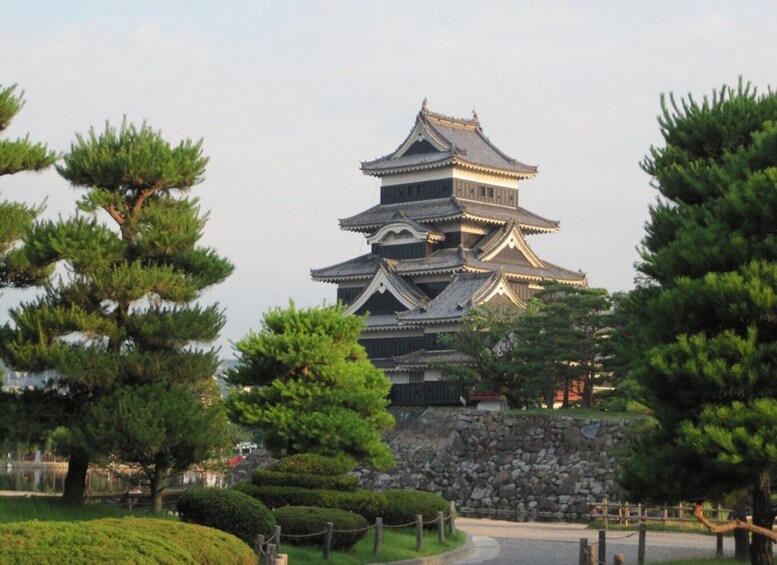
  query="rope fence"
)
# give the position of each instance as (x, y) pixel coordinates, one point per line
(267, 551)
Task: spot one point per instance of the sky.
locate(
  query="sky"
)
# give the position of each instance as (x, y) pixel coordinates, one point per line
(290, 97)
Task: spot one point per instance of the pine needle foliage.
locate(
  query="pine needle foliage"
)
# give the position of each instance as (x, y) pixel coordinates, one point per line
(305, 380)
(118, 325)
(707, 305)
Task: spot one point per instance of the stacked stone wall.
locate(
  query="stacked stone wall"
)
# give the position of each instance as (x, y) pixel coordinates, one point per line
(545, 464)
(522, 464)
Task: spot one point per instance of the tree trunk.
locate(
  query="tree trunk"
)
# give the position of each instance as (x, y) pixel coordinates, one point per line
(763, 515)
(741, 537)
(75, 480)
(588, 391)
(156, 494)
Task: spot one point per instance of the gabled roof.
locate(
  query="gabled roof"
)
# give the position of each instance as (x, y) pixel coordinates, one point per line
(399, 222)
(506, 236)
(437, 140)
(465, 291)
(465, 260)
(360, 268)
(423, 358)
(446, 261)
(386, 280)
(445, 209)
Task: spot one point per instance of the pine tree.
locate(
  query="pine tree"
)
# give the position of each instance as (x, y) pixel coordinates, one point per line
(307, 383)
(17, 155)
(15, 219)
(121, 317)
(708, 305)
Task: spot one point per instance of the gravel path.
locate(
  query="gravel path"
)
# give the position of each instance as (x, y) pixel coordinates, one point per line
(532, 543)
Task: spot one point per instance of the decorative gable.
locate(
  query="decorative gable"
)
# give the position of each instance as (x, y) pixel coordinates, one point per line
(406, 294)
(509, 242)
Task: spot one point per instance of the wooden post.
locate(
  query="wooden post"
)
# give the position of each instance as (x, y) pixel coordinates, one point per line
(583, 556)
(639, 512)
(378, 536)
(277, 536)
(453, 518)
(665, 516)
(619, 559)
(419, 532)
(592, 556)
(271, 554)
(258, 548)
(720, 512)
(680, 512)
(719, 546)
(606, 512)
(641, 545)
(328, 540)
(440, 527)
(620, 514)
(602, 547)
(282, 559)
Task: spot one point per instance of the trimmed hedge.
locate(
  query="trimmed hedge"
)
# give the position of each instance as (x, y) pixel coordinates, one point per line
(304, 480)
(304, 520)
(312, 464)
(365, 503)
(141, 541)
(229, 510)
(403, 506)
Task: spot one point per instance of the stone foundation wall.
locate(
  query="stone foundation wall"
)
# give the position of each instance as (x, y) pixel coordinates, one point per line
(548, 464)
(520, 464)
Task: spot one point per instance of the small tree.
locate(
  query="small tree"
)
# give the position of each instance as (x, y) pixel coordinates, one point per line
(529, 354)
(158, 429)
(305, 380)
(122, 314)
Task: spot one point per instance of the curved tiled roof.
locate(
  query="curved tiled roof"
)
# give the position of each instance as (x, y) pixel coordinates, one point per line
(450, 208)
(450, 141)
(465, 291)
(445, 261)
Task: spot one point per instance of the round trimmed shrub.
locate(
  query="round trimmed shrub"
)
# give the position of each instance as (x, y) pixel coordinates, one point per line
(305, 520)
(304, 480)
(402, 506)
(246, 487)
(368, 504)
(313, 464)
(142, 541)
(229, 510)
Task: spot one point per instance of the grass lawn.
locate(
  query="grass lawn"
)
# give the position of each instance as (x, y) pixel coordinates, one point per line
(581, 413)
(396, 545)
(21, 509)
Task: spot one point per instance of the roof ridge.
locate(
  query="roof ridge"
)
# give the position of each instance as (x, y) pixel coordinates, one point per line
(426, 113)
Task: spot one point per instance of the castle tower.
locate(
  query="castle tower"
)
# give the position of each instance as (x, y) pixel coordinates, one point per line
(448, 235)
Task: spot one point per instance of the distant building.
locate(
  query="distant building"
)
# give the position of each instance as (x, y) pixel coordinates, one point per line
(448, 235)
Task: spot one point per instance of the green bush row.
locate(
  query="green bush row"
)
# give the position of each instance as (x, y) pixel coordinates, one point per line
(313, 464)
(141, 541)
(304, 480)
(305, 520)
(394, 506)
(227, 510)
(365, 503)
(403, 506)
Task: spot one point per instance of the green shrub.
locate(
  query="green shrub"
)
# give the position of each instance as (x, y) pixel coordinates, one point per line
(313, 464)
(304, 480)
(229, 510)
(246, 487)
(141, 541)
(365, 503)
(403, 506)
(304, 520)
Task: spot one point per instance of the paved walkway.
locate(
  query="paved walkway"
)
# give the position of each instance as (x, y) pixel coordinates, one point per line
(498, 542)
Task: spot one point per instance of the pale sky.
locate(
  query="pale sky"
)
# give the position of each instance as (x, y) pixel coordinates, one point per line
(291, 96)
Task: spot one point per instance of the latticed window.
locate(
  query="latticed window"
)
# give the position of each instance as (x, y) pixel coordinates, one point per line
(416, 377)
